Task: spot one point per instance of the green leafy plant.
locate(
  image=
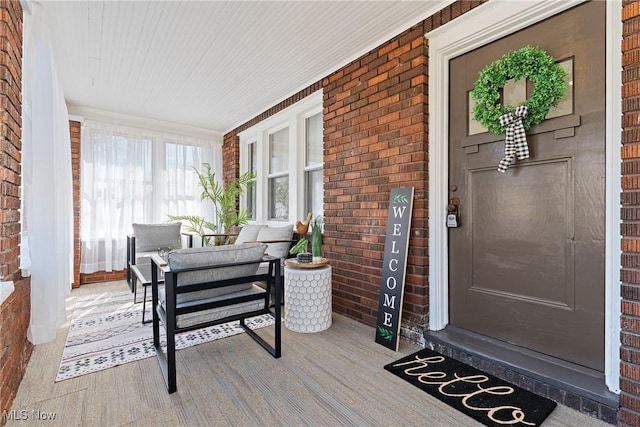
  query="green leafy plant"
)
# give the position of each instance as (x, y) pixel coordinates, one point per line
(400, 198)
(316, 239)
(195, 224)
(225, 202)
(528, 62)
(316, 236)
(300, 247)
(385, 333)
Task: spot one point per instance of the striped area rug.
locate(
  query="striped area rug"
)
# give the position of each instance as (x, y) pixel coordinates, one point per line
(106, 331)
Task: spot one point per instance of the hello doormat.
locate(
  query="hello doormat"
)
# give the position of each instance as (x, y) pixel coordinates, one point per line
(481, 396)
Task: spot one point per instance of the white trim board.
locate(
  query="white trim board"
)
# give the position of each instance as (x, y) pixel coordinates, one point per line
(484, 24)
(79, 113)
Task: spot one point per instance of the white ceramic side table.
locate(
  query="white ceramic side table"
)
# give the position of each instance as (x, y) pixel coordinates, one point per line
(307, 296)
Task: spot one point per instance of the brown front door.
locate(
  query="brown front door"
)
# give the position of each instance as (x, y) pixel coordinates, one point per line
(526, 264)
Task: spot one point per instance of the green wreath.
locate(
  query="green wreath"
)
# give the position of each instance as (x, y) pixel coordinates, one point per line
(528, 62)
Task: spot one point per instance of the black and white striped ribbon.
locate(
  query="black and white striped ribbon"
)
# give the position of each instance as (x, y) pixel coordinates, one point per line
(515, 143)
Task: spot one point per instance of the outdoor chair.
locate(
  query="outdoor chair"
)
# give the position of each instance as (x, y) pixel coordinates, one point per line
(210, 286)
(146, 240)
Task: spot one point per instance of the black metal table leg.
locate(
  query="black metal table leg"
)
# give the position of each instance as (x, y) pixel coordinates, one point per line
(144, 306)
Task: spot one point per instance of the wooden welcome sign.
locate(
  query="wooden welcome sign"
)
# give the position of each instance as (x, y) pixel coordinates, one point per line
(394, 267)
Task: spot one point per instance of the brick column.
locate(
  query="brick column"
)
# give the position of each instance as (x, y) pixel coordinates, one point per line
(629, 413)
(375, 136)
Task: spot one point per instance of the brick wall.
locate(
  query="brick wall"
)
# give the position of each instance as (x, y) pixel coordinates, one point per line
(375, 115)
(231, 156)
(629, 413)
(102, 276)
(15, 350)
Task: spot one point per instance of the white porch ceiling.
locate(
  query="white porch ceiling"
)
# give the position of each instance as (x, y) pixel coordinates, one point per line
(212, 64)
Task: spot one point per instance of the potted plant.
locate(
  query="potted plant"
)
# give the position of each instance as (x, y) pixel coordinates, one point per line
(225, 203)
(316, 238)
(301, 251)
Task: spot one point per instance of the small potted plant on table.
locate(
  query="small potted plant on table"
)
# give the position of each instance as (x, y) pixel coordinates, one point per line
(316, 238)
(300, 250)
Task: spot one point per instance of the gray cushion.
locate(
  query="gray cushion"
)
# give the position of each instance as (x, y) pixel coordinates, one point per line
(249, 233)
(151, 237)
(189, 319)
(278, 250)
(212, 256)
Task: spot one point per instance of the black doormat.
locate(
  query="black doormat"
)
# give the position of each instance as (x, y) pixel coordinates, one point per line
(483, 397)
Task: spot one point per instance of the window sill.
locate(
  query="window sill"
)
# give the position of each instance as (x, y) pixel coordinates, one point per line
(6, 289)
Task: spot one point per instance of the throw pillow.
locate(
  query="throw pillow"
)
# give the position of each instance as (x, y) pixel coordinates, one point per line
(249, 233)
(278, 250)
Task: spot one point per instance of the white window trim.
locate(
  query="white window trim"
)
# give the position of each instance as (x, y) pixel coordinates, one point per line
(288, 173)
(480, 26)
(303, 167)
(292, 117)
(245, 196)
(79, 114)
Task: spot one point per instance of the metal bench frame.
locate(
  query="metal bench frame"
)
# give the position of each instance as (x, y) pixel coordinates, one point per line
(168, 316)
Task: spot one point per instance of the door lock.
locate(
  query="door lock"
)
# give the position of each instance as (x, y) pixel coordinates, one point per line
(453, 213)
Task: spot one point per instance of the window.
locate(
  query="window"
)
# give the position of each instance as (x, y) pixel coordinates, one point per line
(313, 164)
(181, 194)
(251, 189)
(278, 175)
(134, 175)
(285, 152)
(515, 92)
(116, 181)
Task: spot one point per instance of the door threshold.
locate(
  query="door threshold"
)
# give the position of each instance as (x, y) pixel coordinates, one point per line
(575, 386)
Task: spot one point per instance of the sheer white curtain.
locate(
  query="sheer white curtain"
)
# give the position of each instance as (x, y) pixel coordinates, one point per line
(180, 194)
(134, 175)
(47, 198)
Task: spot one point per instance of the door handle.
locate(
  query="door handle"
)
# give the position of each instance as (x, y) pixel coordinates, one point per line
(454, 205)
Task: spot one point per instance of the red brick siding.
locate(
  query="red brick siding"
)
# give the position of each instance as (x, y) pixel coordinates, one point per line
(629, 413)
(231, 157)
(375, 136)
(15, 349)
(102, 276)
